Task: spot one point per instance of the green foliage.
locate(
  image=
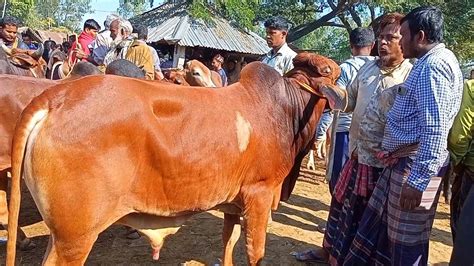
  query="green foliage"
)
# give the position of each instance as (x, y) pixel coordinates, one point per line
(330, 41)
(128, 9)
(243, 12)
(49, 14)
(296, 12)
(199, 9)
(458, 20)
(70, 13)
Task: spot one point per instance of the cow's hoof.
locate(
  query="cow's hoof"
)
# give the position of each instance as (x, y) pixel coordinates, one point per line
(26, 244)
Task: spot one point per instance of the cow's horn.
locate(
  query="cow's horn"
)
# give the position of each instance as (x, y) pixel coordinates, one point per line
(39, 52)
(7, 50)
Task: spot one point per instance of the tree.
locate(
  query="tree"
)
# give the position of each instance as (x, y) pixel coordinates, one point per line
(458, 23)
(307, 16)
(52, 13)
(128, 9)
(330, 41)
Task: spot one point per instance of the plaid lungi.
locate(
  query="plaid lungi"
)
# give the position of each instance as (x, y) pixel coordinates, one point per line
(347, 207)
(361, 174)
(389, 235)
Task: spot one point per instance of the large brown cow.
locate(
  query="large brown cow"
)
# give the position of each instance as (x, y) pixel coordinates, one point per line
(106, 149)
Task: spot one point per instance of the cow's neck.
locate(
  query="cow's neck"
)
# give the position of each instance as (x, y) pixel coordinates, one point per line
(304, 112)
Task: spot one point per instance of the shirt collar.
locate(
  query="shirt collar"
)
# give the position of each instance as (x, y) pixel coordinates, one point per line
(434, 49)
(280, 51)
(390, 70)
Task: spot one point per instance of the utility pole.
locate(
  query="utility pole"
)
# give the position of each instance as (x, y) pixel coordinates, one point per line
(4, 8)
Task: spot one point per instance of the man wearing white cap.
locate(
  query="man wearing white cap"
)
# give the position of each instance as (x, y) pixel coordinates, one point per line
(120, 31)
(103, 41)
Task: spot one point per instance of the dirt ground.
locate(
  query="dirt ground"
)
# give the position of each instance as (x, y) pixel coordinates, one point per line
(198, 242)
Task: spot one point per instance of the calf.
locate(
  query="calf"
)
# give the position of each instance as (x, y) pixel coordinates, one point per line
(107, 149)
(197, 74)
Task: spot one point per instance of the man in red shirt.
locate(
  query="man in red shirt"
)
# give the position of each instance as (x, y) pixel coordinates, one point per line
(85, 39)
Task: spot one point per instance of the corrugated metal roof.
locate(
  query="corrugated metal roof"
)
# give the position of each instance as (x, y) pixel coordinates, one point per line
(43, 35)
(55, 36)
(173, 24)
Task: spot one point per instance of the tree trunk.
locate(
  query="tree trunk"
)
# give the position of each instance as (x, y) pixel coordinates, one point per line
(309, 27)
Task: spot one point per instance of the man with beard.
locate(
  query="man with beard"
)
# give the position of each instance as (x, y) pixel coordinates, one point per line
(397, 222)
(103, 41)
(120, 31)
(369, 96)
(280, 57)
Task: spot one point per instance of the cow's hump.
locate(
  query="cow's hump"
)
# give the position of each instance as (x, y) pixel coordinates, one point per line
(260, 75)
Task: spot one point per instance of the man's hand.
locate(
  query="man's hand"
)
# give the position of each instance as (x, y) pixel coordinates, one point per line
(159, 75)
(80, 54)
(410, 198)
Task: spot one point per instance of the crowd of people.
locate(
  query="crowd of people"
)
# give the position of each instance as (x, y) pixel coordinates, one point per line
(390, 148)
(118, 40)
(407, 121)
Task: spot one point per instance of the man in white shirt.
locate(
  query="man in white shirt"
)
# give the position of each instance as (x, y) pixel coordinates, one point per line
(280, 57)
(103, 41)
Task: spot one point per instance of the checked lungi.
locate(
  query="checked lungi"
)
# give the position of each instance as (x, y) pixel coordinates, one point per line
(388, 235)
(350, 197)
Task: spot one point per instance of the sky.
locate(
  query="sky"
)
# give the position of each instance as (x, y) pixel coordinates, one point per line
(104, 7)
(101, 9)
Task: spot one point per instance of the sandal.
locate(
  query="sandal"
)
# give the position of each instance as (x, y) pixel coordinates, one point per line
(309, 255)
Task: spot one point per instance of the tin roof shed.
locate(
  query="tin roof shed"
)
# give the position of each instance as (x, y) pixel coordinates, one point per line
(172, 23)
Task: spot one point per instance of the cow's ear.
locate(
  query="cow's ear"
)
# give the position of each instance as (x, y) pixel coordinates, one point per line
(302, 60)
(322, 65)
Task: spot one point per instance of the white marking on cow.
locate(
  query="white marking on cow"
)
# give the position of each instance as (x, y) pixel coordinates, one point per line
(33, 127)
(243, 131)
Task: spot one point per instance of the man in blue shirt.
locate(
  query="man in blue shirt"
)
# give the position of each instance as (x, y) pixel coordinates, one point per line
(28, 42)
(400, 213)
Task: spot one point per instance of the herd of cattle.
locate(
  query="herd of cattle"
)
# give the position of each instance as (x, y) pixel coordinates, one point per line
(150, 154)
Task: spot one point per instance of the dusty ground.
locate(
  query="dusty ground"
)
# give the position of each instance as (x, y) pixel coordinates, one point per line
(294, 228)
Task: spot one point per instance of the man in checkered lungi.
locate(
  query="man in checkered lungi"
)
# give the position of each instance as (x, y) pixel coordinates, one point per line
(396, 225)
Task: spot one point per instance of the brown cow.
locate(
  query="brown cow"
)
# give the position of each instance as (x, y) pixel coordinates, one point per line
(107, 149)
(176, 76)
(197, 74)
(15, 93)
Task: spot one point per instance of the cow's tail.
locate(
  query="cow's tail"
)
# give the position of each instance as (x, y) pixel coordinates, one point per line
(30, 118)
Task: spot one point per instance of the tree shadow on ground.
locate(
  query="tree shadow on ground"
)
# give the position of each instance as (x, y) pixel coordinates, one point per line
(198, 241)
(281, 216)
(441, 236)
(312, 204)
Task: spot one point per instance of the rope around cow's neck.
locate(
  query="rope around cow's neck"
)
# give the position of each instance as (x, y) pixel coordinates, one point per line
(307, 87)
